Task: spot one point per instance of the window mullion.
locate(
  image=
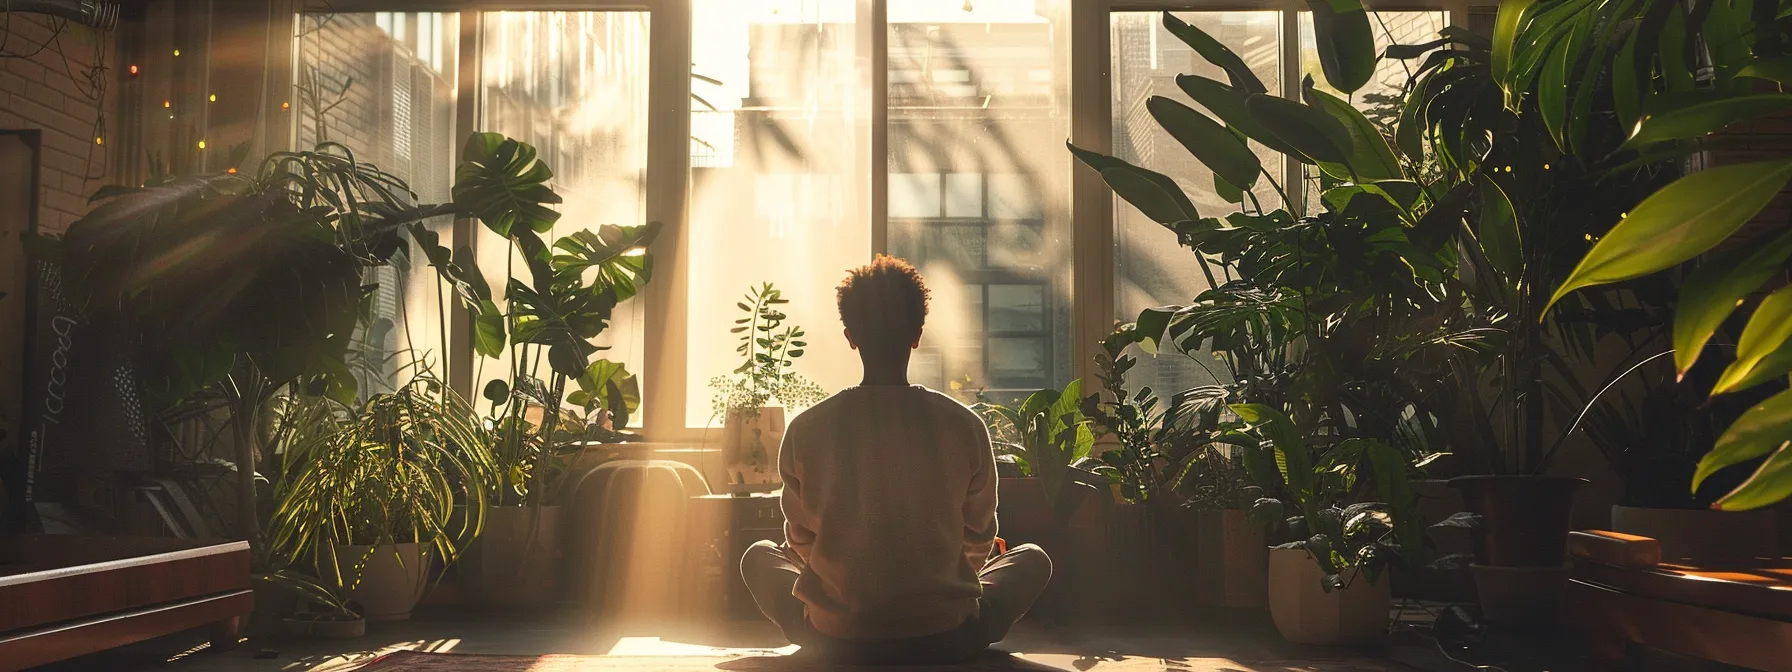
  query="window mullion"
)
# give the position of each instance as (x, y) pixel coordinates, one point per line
(1293, 172)
(1092, 203)
(668, 175)
(466, 121)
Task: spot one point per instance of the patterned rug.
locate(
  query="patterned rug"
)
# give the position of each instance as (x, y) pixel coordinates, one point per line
(416, 661)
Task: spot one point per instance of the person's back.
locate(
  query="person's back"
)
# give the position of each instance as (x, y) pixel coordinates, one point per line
(890, 505)
(890, 492)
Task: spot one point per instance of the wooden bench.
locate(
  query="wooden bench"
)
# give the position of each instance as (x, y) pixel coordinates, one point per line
(1622, 593)
(67, 595)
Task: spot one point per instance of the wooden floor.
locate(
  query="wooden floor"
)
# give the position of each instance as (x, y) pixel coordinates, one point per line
(1227, 647)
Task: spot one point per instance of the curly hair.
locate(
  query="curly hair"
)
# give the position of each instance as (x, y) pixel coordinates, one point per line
(883, 305)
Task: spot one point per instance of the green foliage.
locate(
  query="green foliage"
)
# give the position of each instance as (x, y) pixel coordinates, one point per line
(1161, 440)
(769, 350)
(389, 471)
(549, 317)
(1324, 502)
(1048, 436)
(1682, 75)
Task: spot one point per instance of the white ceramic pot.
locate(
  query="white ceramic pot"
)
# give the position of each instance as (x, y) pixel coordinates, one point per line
(1703, 534)
(1305, 613)
(513, 562)
(392, 581)
(750, 440)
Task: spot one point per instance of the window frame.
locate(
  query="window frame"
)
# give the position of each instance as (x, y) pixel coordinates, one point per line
(666, 329)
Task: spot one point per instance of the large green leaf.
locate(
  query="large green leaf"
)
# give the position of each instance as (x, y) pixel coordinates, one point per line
(1552, 89)
(500, 181)
(1316, 135)
(1153, 193)
(1764, 351)
(488, 329)
(1770, 68)
(1216, 147)
(1345, 43)
(1506, 24)
(1498, 232)
(1762, 429)
(1769, 485)
(1215, 53)
(1228, 104)
(1711, 293)
(1370, 156)
(1679, 222)
(1707, 116)
(1627, 95)
(1292, 459)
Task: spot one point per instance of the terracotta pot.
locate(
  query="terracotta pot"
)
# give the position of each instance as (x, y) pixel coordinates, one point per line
(1521, 598)
(392, 581)
(513, 562)
(1078, 546)
(1703, 534)
(1524, 519)
(1231, 560)
(1305, 613)
(750, 440)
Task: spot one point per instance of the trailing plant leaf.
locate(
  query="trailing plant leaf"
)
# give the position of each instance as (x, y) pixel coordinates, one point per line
(1679, 222)
(1711, 293)
(1764, 352)
(1703, 118)
(1153, 193)
(1763, 429)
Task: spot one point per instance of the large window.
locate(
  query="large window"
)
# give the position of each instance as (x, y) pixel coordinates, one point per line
(776, 181)
(820, 132)
(977, 176)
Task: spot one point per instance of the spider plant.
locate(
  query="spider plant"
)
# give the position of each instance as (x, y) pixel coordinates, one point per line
(386, 472)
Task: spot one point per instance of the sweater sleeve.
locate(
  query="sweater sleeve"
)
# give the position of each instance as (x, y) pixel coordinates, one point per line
(799, 521)
(980, 502)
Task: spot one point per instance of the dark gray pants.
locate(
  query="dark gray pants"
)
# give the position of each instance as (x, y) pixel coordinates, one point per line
(1011, 582)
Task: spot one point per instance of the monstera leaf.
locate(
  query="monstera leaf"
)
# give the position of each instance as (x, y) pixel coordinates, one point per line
(500, 181)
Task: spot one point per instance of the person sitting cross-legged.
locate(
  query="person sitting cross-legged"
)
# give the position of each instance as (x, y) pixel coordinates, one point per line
(890, 507)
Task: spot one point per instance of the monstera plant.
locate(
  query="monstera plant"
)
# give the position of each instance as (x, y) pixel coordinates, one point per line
(550, 315)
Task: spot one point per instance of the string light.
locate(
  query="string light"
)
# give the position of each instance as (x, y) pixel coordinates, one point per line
(99, 141)
(232, 171)
(214, 98)
(134, 70)
(176, 52)
(167, 104)
(285, 106)
(202, 144)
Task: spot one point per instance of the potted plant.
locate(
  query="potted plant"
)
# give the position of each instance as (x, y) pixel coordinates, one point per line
(751, 428)
(369, 503)
(1161, 455)
(1053, 499)
(1329, 585)
(1654, 441)
(556, 396)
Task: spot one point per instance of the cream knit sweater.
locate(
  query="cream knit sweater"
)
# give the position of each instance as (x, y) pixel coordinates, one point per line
(890, 506)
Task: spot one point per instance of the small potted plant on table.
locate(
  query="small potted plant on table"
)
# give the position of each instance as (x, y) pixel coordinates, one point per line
(751, 428)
